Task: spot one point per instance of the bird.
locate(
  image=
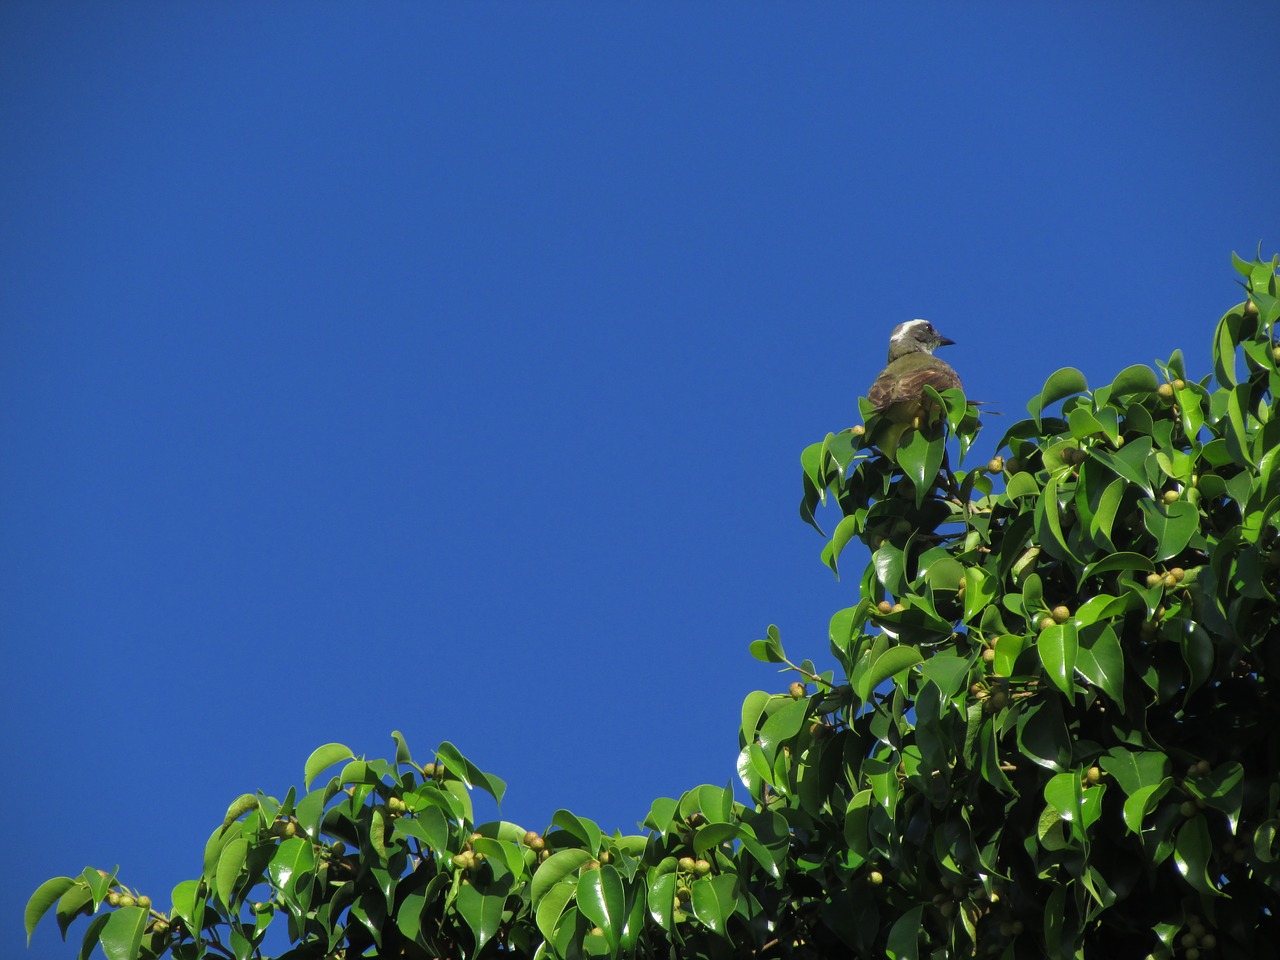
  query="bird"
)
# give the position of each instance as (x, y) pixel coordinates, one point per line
(898, 392)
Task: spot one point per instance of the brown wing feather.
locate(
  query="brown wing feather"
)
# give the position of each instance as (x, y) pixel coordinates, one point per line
(894, 387)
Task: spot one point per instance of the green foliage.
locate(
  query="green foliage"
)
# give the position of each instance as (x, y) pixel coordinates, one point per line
(1050, 735)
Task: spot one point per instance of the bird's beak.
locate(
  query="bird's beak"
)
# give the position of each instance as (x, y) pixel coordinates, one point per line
(944, 342)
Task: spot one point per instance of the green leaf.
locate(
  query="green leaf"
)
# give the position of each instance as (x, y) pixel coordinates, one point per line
(1101, 662)
(602, 900)
(1191, 853)
(769, 650)
(1079, 806)
(782, 726)
(1222, 789)
(470, 773)
(230, 863)
(291, 860)
(1022, 485)
(1138, 378)
(766, 837)
(921, 458)
(321, 759)
(46, 895)
(1197, 651)
(811, 461)
(1173, 525)
(1136, 769)
(550, 906)
(1224, 347)
(188, 903)
(714, 900)
(904, 936)
(580, 828)
(980, 589)
(662, 893)
(947, 671)
(429, 826)
(1043, 736)
(481, 906)
(753, 708)
(1008, 648)
(1058, 647)
(121, 937)
(846, 530)
(1141, 802)
(890, 663)
(1129, 462)
(558, 866)
(91, 936)
(1060, 385)
(402, 748)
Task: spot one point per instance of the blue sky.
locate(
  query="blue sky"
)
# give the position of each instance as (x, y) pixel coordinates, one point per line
(445, 368)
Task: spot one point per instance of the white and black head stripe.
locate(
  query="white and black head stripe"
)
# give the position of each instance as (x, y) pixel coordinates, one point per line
(914, 330)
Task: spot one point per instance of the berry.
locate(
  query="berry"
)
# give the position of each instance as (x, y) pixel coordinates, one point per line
(1061, 614)
(797, 690)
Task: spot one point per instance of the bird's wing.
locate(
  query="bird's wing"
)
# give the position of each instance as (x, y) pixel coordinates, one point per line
(906, 386)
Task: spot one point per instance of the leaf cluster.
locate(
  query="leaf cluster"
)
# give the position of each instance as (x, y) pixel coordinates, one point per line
(1049, 733)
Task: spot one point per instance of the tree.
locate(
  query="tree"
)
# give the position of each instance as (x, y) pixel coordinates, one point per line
(1051, 736)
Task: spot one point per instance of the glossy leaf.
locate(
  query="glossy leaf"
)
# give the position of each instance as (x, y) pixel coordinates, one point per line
(921, 458)
(561, 864)
(481, 908)
(1062, 384)
(904, 936)
(1101, 662)
(1191, 854)
(550, 906)
(230, 863)
(321, 759)
(602, 900)
(121, 937)
(891, 662)
(714, 901)
(1058, 647)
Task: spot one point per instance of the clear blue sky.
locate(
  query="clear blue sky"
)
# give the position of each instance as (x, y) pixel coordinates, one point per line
(445, 368)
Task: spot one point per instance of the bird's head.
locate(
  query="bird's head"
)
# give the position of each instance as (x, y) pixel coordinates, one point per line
(915, 336)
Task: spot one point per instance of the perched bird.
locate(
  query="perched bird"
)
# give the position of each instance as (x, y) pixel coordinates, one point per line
(898, 392)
